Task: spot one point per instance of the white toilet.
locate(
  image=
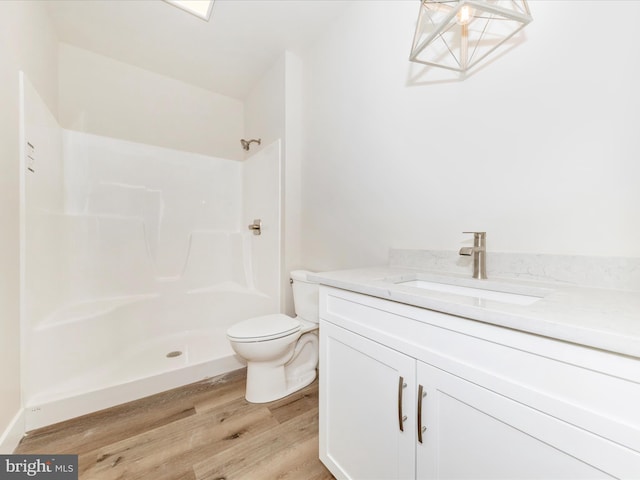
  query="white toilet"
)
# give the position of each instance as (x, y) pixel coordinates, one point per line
(281, 352)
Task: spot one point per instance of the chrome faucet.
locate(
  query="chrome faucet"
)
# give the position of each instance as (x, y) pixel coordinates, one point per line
(479, 252)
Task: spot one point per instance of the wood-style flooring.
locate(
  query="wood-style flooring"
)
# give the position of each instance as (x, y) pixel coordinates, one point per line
(206, 430)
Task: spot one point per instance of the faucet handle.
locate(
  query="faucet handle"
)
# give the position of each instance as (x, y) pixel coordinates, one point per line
(477, 233)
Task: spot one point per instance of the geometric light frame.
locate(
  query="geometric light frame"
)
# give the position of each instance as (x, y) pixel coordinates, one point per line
(200, 8)
(459, 34)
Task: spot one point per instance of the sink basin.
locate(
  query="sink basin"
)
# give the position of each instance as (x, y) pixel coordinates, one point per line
(491, 292)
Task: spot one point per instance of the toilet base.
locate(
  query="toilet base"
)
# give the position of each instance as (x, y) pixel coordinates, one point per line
(268, 381)
(259, 393)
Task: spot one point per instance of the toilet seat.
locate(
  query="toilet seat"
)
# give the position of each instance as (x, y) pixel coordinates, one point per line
(264, 328)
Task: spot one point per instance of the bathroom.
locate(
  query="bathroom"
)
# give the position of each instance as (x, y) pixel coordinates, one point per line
(539, 147)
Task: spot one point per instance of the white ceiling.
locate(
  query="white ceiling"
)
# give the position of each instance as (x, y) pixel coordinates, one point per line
(227, 55)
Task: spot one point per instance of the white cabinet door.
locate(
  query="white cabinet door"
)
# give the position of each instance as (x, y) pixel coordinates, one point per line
(365, 391)
(474, 433)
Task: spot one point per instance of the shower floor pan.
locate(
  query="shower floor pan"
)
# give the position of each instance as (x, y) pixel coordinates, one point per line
(160, 365)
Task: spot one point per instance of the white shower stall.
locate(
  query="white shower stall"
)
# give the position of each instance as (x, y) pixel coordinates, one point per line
(136, 260)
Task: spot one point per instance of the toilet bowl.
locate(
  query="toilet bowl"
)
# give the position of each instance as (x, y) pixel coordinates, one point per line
(281, 351)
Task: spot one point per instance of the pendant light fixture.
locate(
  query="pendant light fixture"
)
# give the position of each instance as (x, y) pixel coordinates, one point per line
(199, 8)
(459, 34)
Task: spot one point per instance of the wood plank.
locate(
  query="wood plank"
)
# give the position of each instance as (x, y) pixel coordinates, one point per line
(295, 404)
(246, 459)
(180, 443)
(85, 433)
(203, 430)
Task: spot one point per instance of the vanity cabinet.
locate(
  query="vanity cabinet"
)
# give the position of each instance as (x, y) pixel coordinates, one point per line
(368, 404)
(412, 393)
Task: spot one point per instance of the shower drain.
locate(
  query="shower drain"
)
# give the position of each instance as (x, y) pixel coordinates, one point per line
(175, 353)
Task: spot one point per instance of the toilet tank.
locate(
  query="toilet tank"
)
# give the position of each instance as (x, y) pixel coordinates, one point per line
(305, 296)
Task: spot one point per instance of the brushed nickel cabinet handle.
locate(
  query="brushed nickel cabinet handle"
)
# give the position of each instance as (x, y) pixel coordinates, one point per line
(401, 417)
(421, 395)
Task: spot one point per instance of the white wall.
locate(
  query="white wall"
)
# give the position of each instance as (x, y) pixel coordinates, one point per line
(540, 148)
(273, 111)
(106, 97)
(44, 273)
(264, 113)
(27, 42)
(292, 243)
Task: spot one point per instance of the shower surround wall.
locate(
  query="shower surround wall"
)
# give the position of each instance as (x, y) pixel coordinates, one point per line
(150, 256)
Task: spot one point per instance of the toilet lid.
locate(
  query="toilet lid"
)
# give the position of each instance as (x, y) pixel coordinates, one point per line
(266, 327)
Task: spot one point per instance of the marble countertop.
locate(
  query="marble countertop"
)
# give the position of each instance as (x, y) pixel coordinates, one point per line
(596, 317)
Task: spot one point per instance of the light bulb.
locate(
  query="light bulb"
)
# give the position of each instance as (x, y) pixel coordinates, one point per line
(464, 15)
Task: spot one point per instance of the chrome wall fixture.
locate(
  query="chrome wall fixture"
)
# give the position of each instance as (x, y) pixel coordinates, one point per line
(245, 143)
(459, 34)
(256, 226)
